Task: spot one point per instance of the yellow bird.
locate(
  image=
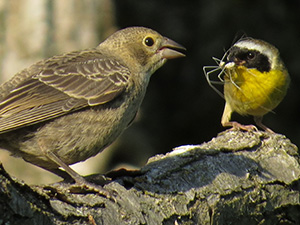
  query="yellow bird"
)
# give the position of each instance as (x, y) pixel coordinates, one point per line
(255, 81)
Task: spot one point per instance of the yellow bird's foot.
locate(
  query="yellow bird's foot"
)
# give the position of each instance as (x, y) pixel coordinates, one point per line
(237, 126)
(258, 121)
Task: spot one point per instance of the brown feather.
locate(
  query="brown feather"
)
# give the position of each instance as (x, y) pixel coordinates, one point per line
(65, 83)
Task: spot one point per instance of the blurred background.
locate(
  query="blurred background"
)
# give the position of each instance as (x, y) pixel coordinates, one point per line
(179, 108)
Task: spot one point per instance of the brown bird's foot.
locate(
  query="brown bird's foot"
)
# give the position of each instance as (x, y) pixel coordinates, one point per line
(66, 191)
(79, 188)
(81, 184)
(237, 126)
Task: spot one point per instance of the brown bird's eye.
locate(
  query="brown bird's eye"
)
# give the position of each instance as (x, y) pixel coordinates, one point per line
(149, 41)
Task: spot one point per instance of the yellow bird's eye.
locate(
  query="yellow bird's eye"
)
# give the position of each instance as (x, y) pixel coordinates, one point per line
(250, 55)
(149, 41)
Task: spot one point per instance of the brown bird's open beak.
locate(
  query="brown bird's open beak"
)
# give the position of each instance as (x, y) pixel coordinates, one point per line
(169, 49)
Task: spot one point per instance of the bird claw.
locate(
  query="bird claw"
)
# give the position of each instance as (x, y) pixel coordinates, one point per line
(89, 188)
(63, 190)
(237, 126)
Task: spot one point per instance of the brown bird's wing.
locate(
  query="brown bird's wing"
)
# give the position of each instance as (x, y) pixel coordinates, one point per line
(63, 84)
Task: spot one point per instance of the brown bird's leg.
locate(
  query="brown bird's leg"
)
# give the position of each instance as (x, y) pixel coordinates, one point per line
(80, 182)
(235, 125)
(78, 179)
(61, 173)
(258, 121)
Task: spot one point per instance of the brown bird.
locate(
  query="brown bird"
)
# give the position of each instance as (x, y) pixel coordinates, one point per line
(69, 107)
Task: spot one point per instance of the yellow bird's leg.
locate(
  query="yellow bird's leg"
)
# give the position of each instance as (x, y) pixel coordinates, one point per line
(258, 121)
(235, 125)
(226, 115)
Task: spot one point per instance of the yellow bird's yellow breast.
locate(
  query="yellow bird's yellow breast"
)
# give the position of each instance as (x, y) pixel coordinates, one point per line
(251, 92)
